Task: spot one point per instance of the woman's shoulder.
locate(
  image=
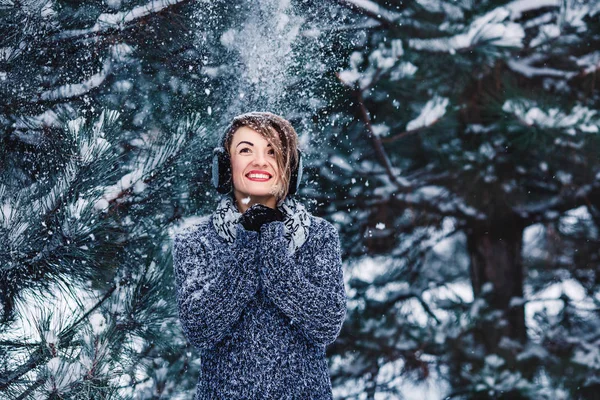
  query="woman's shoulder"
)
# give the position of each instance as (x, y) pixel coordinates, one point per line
(191, 228)
(321, 227)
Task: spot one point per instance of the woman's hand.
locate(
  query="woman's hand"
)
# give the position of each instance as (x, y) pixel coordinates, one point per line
(259, 214)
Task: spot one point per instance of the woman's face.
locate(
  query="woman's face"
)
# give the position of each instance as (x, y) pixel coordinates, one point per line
(254, 168)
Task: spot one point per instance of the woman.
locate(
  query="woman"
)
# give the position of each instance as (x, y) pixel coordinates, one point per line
(260, 286)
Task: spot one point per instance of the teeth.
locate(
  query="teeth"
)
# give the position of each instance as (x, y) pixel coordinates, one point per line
(258, 176)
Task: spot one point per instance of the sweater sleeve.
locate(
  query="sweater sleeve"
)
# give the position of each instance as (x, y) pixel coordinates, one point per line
(213, 290)
(317, 305)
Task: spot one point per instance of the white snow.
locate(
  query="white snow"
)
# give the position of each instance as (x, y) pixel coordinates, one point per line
(380, 60)
(61, 374)
(348, 77)
(98, 323)
(122, 86)
(114, 4)
(356, 58)
(589, 62)
(264, 45)
(118, 20)
(546, 33)
(433, 110)
(548, 300)
(589, 356)
(367, 269)
(493, 28)
(380, 129)
(78, 89)
(580, 117)
(121, 52)
(450, 11)
(518, 7)
(340, 163)
(375, 9)
(524, 67)
(403, 70)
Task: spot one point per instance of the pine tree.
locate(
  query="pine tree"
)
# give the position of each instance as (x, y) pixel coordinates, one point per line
(466, 125)
(90, 149)
(107, 136)
(442, 137)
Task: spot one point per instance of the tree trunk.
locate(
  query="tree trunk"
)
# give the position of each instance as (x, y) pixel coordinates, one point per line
(495, 254)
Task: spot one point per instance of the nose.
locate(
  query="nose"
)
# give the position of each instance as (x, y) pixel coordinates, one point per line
(260, 159)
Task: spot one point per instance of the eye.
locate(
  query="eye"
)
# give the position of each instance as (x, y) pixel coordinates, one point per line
(244, 149)
(272, 152)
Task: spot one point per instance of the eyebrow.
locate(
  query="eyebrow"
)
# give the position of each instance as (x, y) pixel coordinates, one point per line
(251, 144)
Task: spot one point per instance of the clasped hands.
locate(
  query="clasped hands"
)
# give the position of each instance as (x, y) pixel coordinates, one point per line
(259, 214)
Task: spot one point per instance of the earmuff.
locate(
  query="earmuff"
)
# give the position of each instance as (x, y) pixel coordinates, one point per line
(221, 172)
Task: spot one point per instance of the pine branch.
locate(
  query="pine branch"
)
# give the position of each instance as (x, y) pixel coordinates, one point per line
(401, 184)
(109, 23)
(40, 355)
(566, 200)
(372, 10)
(29, 391)
(73, 90)
(398, 136)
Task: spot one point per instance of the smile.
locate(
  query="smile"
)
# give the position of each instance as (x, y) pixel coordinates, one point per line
(258, 177)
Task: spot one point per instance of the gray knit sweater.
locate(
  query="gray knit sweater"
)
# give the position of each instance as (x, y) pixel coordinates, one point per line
(260, 317)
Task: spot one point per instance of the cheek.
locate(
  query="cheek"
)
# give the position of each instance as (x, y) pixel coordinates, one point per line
(236, 167)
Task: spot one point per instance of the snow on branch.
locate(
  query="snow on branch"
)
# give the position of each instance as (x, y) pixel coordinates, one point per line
(383, 61)
(589, 62)
(441, 201)
(11, 220)
(41, 201)
(581, 196)
(524, 67)
(120, 20)
(580, 119)
(92, 147)
(518, 7)
(493, 28)
(137, 179)
(50, 201)
(372, 10)
(77, 89)
(430, 114)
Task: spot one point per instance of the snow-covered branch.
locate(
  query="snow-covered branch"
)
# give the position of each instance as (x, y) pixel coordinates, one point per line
(372, 10)
(579, 119)
(518, 7)
(398, 181)
(107, 22)
(566, 200)
(524, 67)
(77, 89)
(138, 179)
(494, 28)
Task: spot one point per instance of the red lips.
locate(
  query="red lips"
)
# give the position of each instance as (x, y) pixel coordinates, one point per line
(258, 172)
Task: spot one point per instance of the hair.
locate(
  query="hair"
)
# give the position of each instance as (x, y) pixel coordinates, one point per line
(280, 133)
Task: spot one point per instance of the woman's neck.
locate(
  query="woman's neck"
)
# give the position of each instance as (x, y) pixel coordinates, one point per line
(243, 203)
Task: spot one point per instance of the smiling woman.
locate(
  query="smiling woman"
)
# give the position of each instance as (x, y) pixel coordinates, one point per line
(265, 141)
(260, 286)
(254, 168)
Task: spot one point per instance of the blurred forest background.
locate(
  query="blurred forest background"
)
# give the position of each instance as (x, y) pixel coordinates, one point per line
(453, 143)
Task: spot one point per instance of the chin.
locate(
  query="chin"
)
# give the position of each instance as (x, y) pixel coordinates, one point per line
(262, 193)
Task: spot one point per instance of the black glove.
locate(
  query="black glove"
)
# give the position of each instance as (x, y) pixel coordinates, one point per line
(259, 214)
